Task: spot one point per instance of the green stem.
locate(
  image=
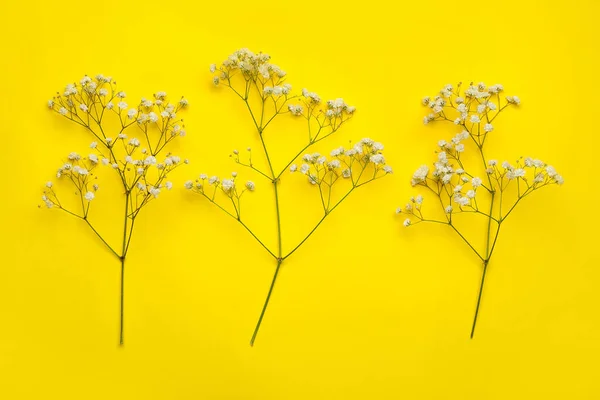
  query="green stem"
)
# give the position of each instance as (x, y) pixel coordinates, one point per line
(123, 255)
(485, 265)
(122, 300)
(264, 309)
(488, 250)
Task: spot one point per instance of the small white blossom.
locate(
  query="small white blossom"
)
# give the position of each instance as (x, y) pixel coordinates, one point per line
(420, 175)
(89, 196)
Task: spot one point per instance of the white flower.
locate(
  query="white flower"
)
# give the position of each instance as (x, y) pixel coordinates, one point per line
(48, 184)
(83, 107)
(74, 156)
(488, 127)
(154, 191)
(304, 168)
(62, 111)
(213, 68)
(460, 148)
(152, 117)
(387, 169)
(140, 171)
(93, 158)
(121, 95)
(406, 222)
(539, 178)
(493, 163)
(102, 92)
(250, 186)
(188, 185)
(420, 175)
(334, 164)
(212, 180)
(475, 119)
(160, 95)
(122, 105)
(462, 201)
(346, 173)
(293, 168)
(132, 113)
(296, 109)
(227, 185)
(446, 178)
(169, 185)
(150, 160)
(551, 171)
(449, 209)
(134, 142)
(203, 176)
(89, 196)
(476, 182)
(559, 179)
(471, 194)
(519, 172)
(216, 80)
(513, 100)
(419, 199)
(110, 105)
(376, 159)
(105, 161)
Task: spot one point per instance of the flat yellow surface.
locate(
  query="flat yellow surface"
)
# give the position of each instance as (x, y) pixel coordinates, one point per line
(365, 309)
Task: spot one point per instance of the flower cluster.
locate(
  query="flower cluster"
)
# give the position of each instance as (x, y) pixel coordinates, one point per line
(80, 172)
(139, 162)
(365, 153)
(89, 101)
(269, 81)
(360, 164)
(262, 86)
(495, 191)
(477, 106)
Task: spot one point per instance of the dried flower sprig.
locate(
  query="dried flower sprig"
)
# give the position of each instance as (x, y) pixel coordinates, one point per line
(461, 190)
(261, 86)
(98, 105)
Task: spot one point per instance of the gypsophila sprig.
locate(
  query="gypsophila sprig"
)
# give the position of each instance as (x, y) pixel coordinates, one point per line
(491, 191)
(262, 86)
(135, 150)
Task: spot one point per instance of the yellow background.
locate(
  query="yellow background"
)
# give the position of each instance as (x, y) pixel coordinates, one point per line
(365, 309)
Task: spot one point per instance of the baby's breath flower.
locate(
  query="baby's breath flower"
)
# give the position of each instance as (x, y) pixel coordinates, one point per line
(250, 186)
(407, 222)
(420, 175)
(89, 196)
